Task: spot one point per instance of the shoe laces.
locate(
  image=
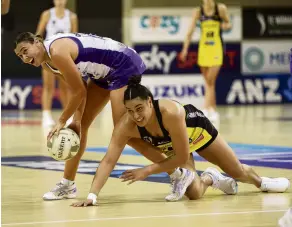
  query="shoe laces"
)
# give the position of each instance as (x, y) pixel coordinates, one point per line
(58, 186)
(172, 185)
(215, 179)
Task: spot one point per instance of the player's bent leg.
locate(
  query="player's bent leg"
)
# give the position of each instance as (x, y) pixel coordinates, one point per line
(226, 184)
(212, 75)
(221, 154)
(97, 98)
(47, 97)
(186, 182)
(199, 185)
(207, 103)
(182, 179)
(210, 85)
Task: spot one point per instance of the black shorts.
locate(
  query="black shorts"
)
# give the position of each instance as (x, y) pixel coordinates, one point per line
(201, 131)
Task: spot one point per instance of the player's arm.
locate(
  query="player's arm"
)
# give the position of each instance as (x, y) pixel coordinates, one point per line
(117, 144)
(174, 119)
(120, 137)
(46, 68)
(188, 38)
(45, 16)
(79, 112)
(224, 14)
(62, 54)
(74, 22)
(5, 6)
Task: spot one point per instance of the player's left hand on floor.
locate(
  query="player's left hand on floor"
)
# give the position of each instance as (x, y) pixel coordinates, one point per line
(84, 203)
(56, 129)
(134, 175)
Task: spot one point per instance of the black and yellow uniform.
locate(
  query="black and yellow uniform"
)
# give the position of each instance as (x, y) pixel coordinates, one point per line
(201, 132)
(211, 44)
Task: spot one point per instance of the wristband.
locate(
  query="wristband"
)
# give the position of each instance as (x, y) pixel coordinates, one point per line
(93, 197)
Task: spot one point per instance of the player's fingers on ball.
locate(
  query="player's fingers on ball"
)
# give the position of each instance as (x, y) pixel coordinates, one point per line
(57, 131)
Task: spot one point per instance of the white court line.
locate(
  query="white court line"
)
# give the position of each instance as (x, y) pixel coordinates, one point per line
(145, 217)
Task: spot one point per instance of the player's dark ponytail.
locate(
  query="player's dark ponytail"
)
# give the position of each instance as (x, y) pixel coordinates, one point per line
(135, 89)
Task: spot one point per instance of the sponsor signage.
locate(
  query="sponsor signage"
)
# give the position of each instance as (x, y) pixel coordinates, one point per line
(267, 23)
(266, 57)
(164, 58)
(264, 89)
(24, 94)
(171, 25)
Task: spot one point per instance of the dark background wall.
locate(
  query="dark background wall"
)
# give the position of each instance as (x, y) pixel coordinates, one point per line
(164, 3)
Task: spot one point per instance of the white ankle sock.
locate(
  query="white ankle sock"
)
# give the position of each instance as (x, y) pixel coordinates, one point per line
(47, 114)
(67, 182)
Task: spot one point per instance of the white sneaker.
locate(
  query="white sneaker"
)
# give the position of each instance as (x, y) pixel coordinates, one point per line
(225, 184)
(205, 112)
(286, 220)
(48, 122)
(280, 184)
(180, 185)
(61, 191)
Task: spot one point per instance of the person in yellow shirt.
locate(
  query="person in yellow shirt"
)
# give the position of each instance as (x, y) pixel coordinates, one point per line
(213, 19)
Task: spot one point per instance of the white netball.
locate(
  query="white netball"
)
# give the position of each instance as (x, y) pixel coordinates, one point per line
(64, 146)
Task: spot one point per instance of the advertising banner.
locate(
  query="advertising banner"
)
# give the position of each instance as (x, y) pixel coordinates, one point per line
(267, 23)
(24, 94)
(184, 89)
(172, 24)
(266, 57)
(164, 58)
(264, 89)
(235, 90)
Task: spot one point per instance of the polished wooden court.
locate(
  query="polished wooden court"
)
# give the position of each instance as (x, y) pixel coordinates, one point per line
(260, 135)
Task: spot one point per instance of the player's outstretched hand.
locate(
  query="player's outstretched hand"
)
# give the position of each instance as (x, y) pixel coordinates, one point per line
(134, 175)
(84, 203)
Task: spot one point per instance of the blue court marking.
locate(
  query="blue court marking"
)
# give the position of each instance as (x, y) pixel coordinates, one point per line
(85, 166)
(255, 155)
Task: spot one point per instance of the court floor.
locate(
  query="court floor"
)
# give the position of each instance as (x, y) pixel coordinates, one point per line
(260, 136)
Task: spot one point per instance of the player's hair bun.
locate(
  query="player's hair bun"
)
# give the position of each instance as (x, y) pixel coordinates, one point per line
(134, 81)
